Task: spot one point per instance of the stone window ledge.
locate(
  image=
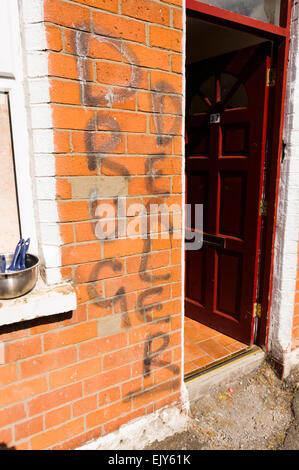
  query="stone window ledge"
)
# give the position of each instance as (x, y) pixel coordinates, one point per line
(42, 301)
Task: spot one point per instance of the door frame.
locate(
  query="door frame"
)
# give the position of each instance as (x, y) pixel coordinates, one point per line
(280, 36)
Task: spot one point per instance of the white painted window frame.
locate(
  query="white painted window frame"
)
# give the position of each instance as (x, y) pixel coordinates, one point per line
(12, 82)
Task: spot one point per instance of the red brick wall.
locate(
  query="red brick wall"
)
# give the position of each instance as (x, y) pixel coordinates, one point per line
(115, 71)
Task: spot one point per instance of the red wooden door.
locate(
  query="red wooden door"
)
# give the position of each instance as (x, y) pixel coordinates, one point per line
(227, 102)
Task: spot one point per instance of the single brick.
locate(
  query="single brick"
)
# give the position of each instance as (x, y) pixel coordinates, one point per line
(146, 10)
(72, 335)
(66, 14)
(166, 38)
(119, 27)
(64, 92)
(72, 118)
(71, 211)
(64, 66)
(73, 166)
(53, 35)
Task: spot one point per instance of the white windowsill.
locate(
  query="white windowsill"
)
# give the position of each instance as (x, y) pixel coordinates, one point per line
(42, 301)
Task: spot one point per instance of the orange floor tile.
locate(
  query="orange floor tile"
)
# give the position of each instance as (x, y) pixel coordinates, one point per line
(204, 346)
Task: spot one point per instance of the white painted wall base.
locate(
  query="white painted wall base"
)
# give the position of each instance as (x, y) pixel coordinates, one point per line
(141, 432)
(291, 361)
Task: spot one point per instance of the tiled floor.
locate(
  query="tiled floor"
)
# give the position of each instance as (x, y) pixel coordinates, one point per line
(204, 346)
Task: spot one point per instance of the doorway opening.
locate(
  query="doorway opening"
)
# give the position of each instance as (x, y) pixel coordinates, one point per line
(227, 98)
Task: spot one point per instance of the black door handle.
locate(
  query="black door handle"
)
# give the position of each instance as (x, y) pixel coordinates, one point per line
(214, 241)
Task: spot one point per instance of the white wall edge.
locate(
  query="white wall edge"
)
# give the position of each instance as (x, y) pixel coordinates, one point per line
(286, 237)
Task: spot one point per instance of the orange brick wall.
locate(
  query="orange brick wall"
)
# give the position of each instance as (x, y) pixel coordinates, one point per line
(115, 73)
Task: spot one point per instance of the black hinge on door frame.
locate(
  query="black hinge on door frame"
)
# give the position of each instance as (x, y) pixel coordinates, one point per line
(263, 211)
(257, 310)
(283, 150)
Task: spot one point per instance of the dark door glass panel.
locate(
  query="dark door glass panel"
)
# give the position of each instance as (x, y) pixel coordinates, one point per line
(263, 10)
(233, 92)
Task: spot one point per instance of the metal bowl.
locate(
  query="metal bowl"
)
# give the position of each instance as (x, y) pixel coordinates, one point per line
(16, 283)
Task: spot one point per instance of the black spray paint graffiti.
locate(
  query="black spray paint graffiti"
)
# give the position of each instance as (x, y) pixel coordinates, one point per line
(80, 46)
(151, 357)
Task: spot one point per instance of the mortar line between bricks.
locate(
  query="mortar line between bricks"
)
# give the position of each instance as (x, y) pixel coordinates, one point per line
(90, 7)
(130, 310)
(102, 109)
(112, 155)
(112, 85)
(122, 15)
(149, 270)
(123, 257)
(163, 283)
(117, 38)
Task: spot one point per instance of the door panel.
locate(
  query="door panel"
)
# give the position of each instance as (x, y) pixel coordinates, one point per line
(235, 140)
(227, 99)
(232, 194)
(229, 276)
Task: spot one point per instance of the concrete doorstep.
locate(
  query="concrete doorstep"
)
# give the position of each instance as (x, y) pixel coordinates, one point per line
(224, 374)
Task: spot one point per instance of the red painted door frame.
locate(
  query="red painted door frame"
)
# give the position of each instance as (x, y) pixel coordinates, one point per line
(280, 35)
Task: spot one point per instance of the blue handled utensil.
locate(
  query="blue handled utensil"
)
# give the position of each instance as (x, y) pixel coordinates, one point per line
(13, 266)
(22, 256)
(3, 264)
(20, 263)
(27, 243)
